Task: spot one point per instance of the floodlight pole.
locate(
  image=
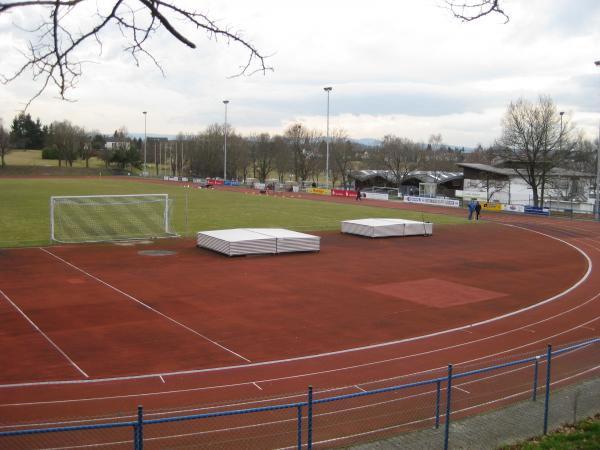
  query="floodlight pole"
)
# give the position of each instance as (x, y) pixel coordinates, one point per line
(145, 140)
(225, 102)
(597, 205)
(328, 90)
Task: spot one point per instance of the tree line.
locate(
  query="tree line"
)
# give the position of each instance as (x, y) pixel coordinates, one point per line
(535, 139)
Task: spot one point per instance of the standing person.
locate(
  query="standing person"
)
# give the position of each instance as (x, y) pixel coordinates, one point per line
(471, 207)
(477, 210)
(358, 194)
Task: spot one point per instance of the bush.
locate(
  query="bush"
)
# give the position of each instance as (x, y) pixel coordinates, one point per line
(50, 153)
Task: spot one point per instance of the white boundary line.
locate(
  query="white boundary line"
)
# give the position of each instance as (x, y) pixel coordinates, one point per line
(319, 355)
(237, 405)
(45, 336)
(266, 363)
(326, 441)
(150, 308)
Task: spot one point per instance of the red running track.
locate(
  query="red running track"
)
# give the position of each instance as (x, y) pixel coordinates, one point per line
(183, 333)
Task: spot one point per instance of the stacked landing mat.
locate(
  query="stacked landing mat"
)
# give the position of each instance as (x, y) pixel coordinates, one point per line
(387, 227)
(256, 241)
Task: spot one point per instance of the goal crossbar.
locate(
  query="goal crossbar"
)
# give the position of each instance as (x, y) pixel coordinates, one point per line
(98, 218)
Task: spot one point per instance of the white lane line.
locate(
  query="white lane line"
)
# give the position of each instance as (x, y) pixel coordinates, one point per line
(237, 405)
(359, 388)
(257, 386)
(269, 380)
(366, 347)
(45, 336)
(337, 438)
(461, 389)
(161, 378)
(150, 308)
(267, 363)
(468, 408)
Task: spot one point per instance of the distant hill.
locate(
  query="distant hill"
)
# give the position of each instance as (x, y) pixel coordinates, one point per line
(370, 142)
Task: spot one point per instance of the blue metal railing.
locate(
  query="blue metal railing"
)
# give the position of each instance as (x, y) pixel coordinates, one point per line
(139, 425)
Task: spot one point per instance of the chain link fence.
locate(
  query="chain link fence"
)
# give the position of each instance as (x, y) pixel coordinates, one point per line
(481, 404)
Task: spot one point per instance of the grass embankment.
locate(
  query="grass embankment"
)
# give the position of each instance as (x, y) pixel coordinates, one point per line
(24, 204)
(30, 163)
(584, 435)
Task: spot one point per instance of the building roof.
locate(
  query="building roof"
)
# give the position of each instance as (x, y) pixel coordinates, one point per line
(556, 171)
(487, 168)
(422, 175)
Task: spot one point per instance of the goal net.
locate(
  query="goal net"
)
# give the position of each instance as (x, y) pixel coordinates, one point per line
(97, 218)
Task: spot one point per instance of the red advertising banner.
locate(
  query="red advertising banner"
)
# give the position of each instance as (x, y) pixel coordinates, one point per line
(214, 182)
(343, 193)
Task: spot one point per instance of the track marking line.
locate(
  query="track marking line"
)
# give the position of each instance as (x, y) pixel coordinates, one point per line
(244, 404)
(354, 349)
(468, 408)
(338, 438)
(359, 388)
(529, 330)
(161, 378)
(148, 307)
(589, 328)
(45, 336)
(257, 386)
(343, 351)
(460, 389)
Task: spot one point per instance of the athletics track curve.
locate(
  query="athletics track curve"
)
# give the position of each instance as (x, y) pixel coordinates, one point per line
(572, 317)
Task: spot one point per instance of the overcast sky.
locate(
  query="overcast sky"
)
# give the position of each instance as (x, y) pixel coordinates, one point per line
(396, 67)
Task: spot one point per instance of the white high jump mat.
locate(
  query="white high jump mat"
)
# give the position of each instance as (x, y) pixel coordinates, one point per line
(257, 241)
(387, 227)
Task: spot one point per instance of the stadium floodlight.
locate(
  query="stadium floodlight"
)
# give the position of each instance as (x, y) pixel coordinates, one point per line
(597, 205)
(225, 102)
(328, 90)
(99, 218)
(145, 140)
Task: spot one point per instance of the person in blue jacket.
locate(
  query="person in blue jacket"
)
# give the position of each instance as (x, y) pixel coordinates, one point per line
(471, 207)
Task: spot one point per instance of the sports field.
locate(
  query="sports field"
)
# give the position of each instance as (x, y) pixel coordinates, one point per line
(25, 218)
(91, 331)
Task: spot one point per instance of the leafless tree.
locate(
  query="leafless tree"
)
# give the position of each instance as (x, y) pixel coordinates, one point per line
(303, 145)
(400, 156)
(4, 143)
(69, 139)
(470, 10)
(434, 144)
(264, 156)
(344, 154)
(52, 52)
(534, 141)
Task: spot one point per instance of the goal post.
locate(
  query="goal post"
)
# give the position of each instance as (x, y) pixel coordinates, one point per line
(99, 218)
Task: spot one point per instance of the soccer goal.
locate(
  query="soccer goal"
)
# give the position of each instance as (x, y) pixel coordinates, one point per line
(98, 218)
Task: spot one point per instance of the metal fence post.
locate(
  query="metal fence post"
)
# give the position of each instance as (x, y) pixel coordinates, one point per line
(535, 378)
(448, 407)
(437, 403)
(547, 400)
(299, 427)
(309, 417)
(139, 430)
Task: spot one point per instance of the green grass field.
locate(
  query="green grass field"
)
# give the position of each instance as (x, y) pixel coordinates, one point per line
(585, 435)
(34, 158)
(24, 204)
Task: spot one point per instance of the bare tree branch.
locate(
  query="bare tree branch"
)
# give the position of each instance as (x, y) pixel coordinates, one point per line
(52, 54)
(468, 11)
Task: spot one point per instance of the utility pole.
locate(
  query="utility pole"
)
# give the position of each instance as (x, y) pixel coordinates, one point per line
(225, 102)
(328, 90)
